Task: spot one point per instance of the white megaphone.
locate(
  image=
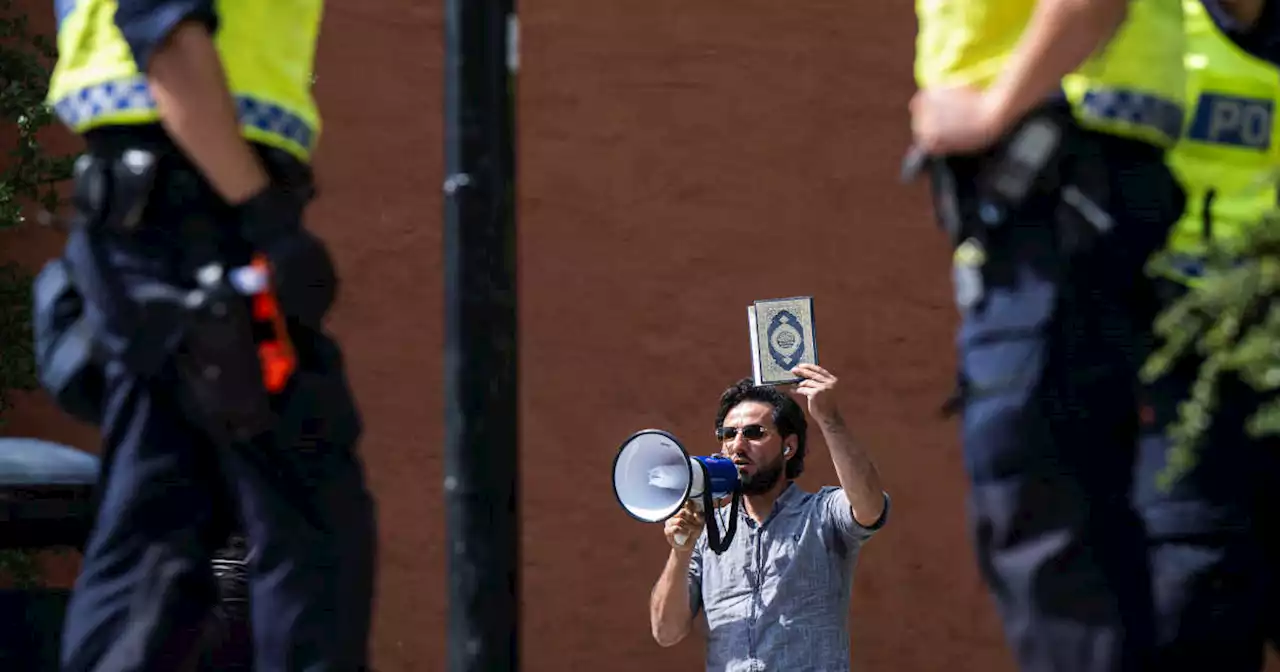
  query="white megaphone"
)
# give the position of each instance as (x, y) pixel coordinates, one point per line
(653, 476)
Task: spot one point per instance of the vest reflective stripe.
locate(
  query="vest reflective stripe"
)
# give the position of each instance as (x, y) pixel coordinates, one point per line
(1229, 146)
(1186, 268)
(267, 51)
(1159, 116)
(130, 101)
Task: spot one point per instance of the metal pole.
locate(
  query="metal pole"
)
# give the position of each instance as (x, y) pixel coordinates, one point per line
(480, 351)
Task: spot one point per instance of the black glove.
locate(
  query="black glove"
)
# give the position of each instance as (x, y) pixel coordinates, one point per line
(303, 272)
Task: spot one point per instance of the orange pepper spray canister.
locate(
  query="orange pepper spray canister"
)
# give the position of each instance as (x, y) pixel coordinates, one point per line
(275, 348)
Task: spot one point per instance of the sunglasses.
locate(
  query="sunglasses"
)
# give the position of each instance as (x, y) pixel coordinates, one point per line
(750, 432)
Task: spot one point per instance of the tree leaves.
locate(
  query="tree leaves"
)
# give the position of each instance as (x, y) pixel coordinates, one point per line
(1231, 320)
(32, 174)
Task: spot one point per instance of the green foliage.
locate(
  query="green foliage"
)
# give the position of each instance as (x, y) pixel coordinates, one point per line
(1231, 320)
(21, 567)
(32, 175)
(29, 180)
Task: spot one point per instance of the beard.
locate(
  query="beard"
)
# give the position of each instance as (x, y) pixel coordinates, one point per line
(764, 479)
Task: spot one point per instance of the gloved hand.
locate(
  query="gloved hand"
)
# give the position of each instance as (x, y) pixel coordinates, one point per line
(303, 273)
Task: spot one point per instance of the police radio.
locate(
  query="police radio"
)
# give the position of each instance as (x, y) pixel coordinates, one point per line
(1005, 182)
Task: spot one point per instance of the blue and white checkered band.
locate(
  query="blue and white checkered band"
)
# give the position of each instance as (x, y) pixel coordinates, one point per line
(1161, 115)
(1192, 266)
(105, 101)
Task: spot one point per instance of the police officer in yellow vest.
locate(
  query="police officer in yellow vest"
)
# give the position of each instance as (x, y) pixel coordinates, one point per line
(185, 318)
(1214, 551)
(1047, 122)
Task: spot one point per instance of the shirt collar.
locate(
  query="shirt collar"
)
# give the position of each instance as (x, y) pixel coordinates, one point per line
(788, 493)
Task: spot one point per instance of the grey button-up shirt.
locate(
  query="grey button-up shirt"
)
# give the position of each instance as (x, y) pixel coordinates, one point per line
(778, 597)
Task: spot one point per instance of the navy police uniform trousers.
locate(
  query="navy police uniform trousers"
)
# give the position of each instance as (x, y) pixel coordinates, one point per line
(1212, 534)
(1048, 360)
(170, 493)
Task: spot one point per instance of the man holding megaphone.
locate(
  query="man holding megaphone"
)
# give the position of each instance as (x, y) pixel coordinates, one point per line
(777, 597)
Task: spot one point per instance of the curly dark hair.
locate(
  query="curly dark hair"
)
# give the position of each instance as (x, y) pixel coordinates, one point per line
(788, 417)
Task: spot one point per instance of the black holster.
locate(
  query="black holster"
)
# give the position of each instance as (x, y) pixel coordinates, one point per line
(217, 361)
(1047, 169)
(68, 322)
(85, 316)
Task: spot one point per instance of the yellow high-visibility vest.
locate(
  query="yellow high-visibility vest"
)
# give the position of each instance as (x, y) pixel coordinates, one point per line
(267, 49)
(1134, 86)
(1228, 156)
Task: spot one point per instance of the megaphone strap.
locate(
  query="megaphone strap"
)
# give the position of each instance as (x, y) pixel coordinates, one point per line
(714, 541)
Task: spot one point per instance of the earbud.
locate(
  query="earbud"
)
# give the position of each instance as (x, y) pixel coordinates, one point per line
(787, 451)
